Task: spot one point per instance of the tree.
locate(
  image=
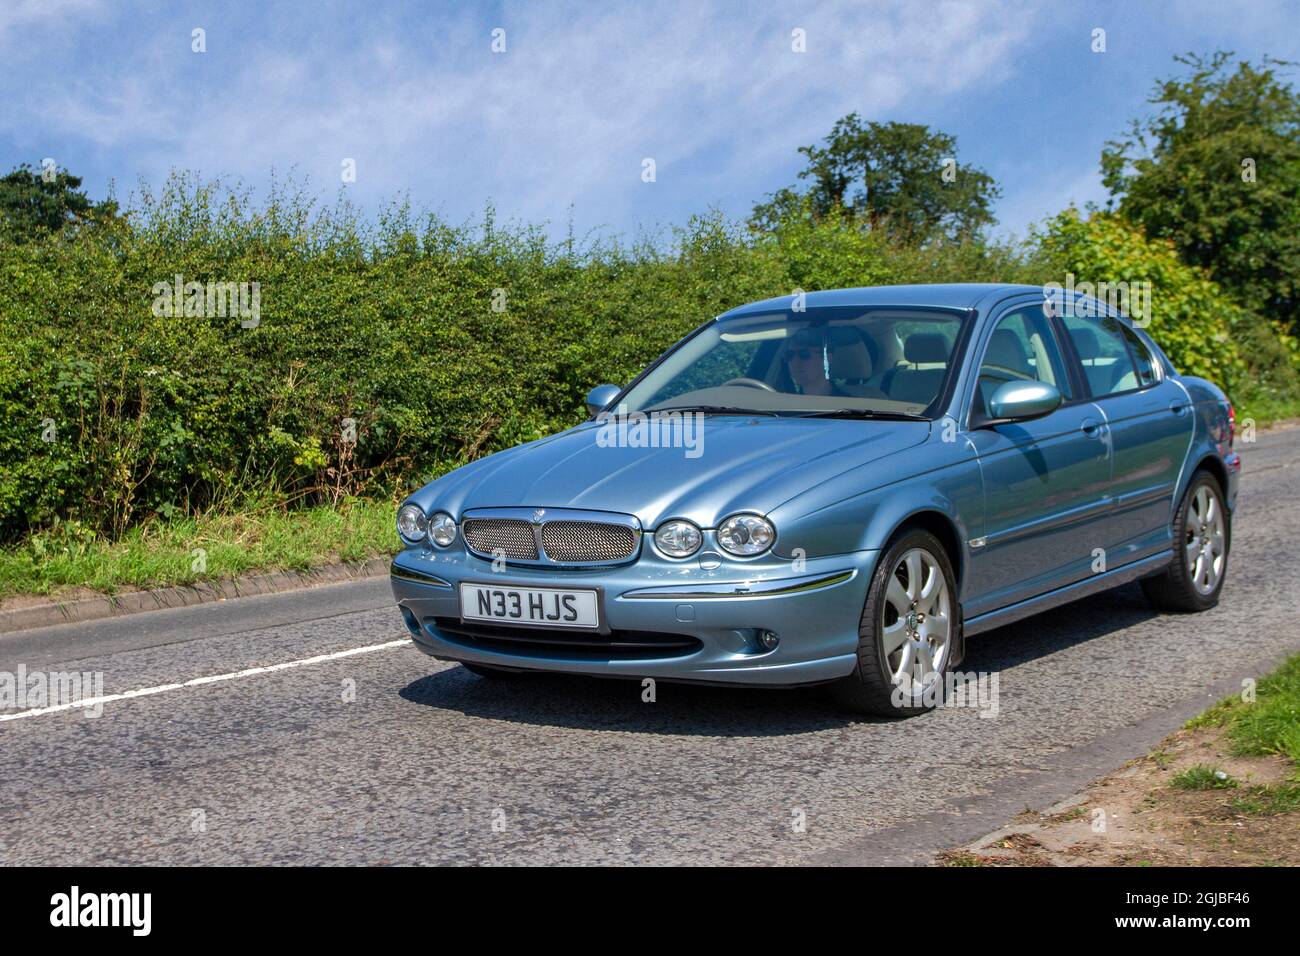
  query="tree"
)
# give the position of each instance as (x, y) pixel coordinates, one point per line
(1200, 327)
(900, 177)
(32, 203)
(1217, 171)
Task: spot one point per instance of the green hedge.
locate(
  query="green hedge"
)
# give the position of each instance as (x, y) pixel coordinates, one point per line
(393, 326)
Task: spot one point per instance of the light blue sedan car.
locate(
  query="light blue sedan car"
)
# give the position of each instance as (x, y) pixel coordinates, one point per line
(837, 488)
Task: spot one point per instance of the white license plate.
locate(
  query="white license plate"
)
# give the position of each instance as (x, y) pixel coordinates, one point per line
(545, 607)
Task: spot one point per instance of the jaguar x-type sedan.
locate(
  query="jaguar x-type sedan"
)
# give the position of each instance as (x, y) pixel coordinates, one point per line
(839, 489)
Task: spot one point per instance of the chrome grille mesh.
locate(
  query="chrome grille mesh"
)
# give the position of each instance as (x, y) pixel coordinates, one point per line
(566, 539)
(511, 536)
(587, 541)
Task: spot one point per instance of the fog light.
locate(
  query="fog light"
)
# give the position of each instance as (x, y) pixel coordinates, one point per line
(769, 640)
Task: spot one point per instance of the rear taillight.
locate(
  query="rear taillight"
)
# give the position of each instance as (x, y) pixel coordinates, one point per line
(1232, 423)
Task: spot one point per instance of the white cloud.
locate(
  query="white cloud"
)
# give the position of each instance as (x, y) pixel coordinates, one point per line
(714, 94)
(35, 17)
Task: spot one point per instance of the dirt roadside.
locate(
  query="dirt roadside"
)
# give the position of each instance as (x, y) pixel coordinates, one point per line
(1190, 802)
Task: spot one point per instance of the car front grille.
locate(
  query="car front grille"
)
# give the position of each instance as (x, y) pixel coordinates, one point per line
(567, 537)
(512, 537)
(572, 541)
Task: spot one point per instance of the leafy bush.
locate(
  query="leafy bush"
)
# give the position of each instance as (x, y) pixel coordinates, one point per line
(111, 409)
(387, 352)
(1203, 331)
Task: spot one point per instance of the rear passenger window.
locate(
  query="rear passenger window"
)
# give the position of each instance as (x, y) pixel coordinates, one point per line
(1107, 363)
(1146, 366)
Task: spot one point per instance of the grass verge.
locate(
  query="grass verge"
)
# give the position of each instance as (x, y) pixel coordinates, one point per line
(161, 553)
(1268, 724)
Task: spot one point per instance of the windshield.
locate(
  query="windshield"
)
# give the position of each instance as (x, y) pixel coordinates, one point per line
(823, 360)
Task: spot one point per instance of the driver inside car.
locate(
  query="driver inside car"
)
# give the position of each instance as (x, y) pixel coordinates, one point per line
(823, 361)
(808, 357)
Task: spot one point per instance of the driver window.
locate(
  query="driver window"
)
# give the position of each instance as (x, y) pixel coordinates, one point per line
(1021, 349)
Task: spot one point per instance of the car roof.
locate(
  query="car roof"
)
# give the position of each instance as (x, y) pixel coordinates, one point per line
(952, 295)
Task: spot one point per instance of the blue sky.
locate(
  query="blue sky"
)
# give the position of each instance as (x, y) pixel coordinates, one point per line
(585, 91)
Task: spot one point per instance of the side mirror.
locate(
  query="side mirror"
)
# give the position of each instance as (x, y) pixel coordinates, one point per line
(1022, 401)
(600, 396)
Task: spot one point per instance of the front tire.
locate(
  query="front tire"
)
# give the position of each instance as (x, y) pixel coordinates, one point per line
(1202, 536)
(908, 630)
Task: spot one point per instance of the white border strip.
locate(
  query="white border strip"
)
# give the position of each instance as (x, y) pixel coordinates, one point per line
(200, 681)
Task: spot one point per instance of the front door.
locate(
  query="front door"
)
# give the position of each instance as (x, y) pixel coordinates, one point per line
(1046, 481)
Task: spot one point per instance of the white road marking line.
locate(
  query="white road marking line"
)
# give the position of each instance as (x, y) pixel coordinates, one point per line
(200, 681)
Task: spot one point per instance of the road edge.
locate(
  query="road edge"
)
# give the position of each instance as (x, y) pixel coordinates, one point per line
(156, 599)
(1056, 779)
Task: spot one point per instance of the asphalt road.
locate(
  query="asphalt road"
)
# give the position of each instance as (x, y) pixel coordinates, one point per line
(386, 756)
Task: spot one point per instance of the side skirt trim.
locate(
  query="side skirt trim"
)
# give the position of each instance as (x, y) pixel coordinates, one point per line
(1071, 592)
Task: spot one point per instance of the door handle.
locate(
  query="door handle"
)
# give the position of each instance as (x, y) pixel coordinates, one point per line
(1178, 408)
(1091, 427)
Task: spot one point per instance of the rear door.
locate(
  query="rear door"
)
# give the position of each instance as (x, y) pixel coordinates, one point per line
(1150, 424)
(1046, 481)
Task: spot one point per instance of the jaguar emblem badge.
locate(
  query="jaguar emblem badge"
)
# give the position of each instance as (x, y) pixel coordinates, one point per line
(537, 515)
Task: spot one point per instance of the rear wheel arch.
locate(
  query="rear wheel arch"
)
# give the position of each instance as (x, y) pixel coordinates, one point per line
(1209, 463)
(1215, 466)
(1175, 587)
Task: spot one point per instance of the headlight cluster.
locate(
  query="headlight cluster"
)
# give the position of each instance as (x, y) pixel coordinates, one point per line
(411, 523)
(746, 534)
(743, 535)
(442, 529)
(678, 539)
(414, 527)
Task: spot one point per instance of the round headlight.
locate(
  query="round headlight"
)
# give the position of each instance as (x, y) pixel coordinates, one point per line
(746, 534)
(678, 539)
(411, 524)
(442, 529)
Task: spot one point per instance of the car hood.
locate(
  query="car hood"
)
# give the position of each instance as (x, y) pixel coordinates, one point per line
(743, 464)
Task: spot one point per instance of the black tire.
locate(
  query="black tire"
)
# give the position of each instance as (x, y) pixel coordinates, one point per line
(1173, 589)
(870, 688)
(491, 673)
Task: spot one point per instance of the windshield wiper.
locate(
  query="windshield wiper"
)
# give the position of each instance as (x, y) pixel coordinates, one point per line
(714, 410)
(871, 413)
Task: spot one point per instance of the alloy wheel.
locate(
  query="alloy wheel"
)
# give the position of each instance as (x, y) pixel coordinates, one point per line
(916, 625)
(1203, 545)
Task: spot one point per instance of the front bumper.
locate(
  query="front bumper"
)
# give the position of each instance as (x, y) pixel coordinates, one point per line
(669, 620)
